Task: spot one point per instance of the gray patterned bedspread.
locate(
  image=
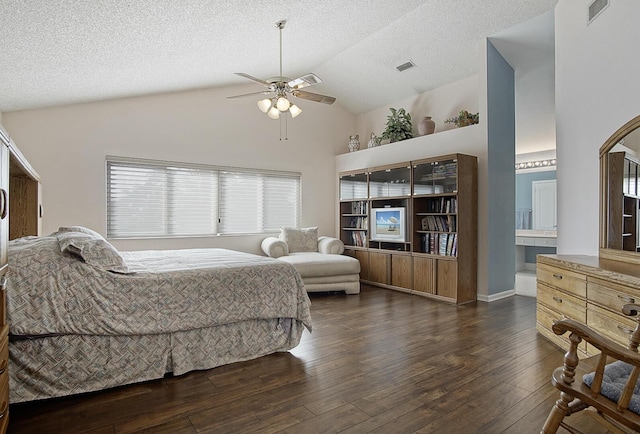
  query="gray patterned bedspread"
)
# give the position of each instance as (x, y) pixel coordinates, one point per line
(54, 293)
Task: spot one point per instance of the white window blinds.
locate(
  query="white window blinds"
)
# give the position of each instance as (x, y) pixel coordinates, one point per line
(160, 199)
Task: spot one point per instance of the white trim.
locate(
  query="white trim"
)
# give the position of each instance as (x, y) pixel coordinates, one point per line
(498, 296)
(165, 163)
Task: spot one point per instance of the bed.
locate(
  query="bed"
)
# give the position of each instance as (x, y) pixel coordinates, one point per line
(84, 317)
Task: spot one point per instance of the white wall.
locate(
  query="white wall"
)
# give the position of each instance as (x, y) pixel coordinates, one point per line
(441, 103)
(597, 91)
(67, 146)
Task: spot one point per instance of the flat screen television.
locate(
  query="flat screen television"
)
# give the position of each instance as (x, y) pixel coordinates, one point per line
(388, 224)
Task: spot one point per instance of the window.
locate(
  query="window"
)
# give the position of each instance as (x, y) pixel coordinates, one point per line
(162, 199)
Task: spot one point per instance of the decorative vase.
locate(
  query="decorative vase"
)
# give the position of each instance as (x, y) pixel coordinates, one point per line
(354, 144)
(426, 126)
(374, 141)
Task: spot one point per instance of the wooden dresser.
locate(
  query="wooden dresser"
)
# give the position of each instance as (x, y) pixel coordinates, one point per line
(20, 215)
(589, 289)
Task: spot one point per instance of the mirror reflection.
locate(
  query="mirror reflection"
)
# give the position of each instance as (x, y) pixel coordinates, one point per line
(623, 189)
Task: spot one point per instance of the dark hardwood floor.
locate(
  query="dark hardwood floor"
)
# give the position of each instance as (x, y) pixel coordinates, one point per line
(381, 361)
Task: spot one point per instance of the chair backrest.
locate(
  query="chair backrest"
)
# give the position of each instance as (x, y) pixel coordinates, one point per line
(608, 350)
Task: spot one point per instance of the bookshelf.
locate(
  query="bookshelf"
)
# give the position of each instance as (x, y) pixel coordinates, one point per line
(354, 209)
(438, 256)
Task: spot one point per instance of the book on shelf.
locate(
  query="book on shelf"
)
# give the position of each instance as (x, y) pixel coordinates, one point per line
(359, 207)
(358, 222)
(450, 240)
(444, 244)
(359, 238)
(442, 205)
(439, 223)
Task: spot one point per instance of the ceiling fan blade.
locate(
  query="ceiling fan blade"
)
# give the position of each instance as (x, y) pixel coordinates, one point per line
(313, 96)
(304, 81)
(262, 92)
(251, 77)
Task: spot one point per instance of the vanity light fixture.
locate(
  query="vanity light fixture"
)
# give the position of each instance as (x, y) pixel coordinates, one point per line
(535, 164)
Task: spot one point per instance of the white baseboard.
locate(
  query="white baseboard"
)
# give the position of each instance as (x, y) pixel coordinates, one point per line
(498, 296)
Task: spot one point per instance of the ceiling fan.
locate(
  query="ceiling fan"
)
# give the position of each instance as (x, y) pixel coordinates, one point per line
(282, 87)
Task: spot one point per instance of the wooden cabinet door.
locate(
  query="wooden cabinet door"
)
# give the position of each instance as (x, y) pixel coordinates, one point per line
(447, 278)
(24, 216)
(380, 267)
(363, 257)
(401, 275)
(424, 274)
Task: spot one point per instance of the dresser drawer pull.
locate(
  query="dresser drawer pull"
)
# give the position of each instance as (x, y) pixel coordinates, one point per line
(3, 367)
(558, 276)
(625, 329)
(627, 299)
(557, 299)
(5, 408)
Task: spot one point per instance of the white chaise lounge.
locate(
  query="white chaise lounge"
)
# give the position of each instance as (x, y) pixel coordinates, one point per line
(319, 260)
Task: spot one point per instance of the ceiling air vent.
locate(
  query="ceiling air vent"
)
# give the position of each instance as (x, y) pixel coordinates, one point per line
(405, 66)
(595, 8)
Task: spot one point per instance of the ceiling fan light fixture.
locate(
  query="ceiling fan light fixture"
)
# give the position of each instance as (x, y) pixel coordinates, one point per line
(274, 113)
(283, 104)
(280, 87)
(294, 110)
(264, 105)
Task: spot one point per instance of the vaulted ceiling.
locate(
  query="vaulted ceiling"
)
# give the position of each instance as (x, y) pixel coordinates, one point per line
(55, 52)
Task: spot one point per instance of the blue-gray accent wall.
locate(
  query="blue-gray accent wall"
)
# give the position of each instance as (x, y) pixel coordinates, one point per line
(501, 176)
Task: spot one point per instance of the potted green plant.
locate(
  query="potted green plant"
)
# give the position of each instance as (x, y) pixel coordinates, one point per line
(398, 126)
(464, 118)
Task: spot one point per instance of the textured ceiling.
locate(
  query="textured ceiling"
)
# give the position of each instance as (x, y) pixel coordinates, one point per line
(55, 52)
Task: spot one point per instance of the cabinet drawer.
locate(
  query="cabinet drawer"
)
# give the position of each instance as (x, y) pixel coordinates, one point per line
(525, 241)
(562, 303)
(545, 242)
(545, 318)
(613, 326)
(610, 297)
(569, 281)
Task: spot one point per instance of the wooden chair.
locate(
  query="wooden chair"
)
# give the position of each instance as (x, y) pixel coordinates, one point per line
(575, 395)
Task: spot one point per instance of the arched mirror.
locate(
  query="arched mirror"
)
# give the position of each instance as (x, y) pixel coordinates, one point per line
(620, 194)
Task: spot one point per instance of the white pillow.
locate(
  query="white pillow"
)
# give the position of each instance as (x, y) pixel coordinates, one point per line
(274, 247)
(300, 240)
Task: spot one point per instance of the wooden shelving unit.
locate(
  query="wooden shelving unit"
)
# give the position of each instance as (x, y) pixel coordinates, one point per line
(438, 255)
(624, 200)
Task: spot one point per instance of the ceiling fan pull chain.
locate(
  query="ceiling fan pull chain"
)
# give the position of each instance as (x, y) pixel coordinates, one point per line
(286, 127)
